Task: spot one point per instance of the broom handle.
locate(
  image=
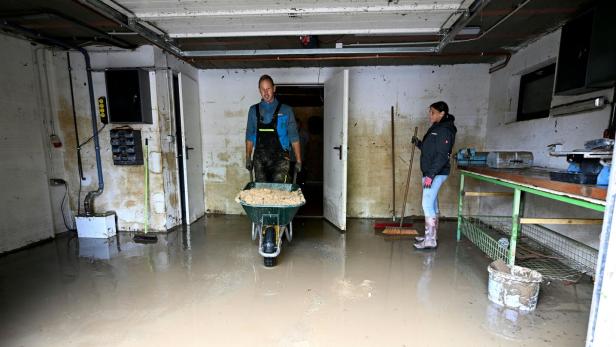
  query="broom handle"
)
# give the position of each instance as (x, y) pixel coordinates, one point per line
(146, 194)
(408, 181)
(393, 166)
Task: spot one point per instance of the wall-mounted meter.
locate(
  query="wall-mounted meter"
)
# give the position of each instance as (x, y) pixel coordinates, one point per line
(102, 109)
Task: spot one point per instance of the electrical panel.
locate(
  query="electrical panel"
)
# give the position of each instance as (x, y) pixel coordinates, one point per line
(573, 56)
(587, 52)
(126, 146)
(128, 96)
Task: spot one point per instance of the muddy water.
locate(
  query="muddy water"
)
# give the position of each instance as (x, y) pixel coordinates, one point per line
(206, 286)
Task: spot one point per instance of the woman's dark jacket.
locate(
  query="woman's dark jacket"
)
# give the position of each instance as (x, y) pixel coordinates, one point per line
(436, 147)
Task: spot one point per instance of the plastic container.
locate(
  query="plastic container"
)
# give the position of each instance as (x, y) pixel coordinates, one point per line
(510, 160)
(517, 289)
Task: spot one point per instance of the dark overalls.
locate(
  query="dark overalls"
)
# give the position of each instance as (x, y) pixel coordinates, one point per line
(271, 161)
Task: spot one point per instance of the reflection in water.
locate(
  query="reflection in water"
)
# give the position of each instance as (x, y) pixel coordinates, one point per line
(508, 323)
(423, 284)
(99, 249)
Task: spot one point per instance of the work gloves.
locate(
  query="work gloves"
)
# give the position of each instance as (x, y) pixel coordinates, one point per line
(248, 164)
(298, 167)
(427, 182)
(416, 141)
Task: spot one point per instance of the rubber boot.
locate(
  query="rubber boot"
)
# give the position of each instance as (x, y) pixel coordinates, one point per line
(429, 240)
(269, 242)
(421, 238)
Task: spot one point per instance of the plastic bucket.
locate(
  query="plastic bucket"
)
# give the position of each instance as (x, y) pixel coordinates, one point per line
(516, 289)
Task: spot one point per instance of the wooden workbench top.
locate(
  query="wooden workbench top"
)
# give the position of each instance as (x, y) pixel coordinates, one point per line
(540, 178)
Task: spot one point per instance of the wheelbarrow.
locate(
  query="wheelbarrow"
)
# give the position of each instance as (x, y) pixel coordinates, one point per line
(270, 222)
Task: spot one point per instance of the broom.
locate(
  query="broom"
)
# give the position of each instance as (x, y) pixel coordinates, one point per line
(401, 230)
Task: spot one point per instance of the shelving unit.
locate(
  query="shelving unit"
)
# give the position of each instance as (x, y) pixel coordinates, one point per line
(522, 241)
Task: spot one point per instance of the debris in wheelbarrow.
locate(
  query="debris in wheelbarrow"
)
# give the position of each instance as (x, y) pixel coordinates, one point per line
(271, 218)
(266, 196)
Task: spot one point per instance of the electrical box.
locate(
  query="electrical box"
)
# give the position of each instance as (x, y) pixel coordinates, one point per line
(587, 52)
(98, 226)
(601, 60)
(573, 55)
(126, 146)
(128, 96)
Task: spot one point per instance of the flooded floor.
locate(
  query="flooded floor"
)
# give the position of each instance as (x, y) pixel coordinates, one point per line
(207, 286)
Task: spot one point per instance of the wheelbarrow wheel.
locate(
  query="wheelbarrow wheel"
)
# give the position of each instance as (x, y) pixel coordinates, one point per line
(270, 261)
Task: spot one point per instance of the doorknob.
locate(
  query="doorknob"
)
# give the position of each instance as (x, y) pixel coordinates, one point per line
(188, 149)
(339, 148)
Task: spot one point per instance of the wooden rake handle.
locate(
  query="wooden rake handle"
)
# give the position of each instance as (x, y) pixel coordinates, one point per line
(408, 181)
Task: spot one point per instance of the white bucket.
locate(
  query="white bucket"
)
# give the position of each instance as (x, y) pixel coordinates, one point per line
(517, 289)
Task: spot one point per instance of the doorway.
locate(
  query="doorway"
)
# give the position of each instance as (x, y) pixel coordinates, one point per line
(180, 145)
(307, 102)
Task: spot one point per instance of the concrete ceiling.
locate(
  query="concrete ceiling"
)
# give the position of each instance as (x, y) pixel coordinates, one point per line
(219, 18)
(266, 33)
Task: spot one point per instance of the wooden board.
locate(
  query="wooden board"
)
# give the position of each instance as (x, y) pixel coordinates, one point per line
(540, 178)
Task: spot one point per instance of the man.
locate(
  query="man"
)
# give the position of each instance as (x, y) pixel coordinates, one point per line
(271, 132)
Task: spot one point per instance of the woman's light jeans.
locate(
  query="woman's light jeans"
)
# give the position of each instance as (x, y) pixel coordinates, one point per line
(429, 199)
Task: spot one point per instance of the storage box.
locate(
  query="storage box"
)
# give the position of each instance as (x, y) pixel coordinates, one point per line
(100, 226)
(510, 160)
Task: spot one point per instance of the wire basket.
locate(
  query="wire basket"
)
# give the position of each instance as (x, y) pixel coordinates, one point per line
(555, 256)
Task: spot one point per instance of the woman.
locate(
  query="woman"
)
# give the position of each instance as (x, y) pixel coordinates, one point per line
(435, 147)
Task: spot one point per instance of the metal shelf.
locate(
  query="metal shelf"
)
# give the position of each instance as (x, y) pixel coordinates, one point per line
(555, 256)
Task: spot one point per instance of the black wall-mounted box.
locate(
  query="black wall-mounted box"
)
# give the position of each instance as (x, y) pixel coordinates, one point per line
(587, 54)
(126, 146)
(601, 72)
(128, 96)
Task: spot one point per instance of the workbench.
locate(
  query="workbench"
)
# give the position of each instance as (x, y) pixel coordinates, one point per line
(508, 237)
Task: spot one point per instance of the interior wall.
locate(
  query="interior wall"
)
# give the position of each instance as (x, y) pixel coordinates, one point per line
(124, 185)
(504, 133)
(227, 94)
(25, 201)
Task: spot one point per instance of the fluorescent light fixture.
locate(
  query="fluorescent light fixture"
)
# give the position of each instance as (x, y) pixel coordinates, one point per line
(579, 106)
(472, 30)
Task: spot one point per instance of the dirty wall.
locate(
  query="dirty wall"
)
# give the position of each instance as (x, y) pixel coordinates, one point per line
(124, 185)
(504, 133)
(227, 94)
(26, 199)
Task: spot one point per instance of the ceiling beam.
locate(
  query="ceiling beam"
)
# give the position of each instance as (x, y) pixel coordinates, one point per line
(304, 52)
(299, 11)
(462, 22)
(130, 23)
(300, 32)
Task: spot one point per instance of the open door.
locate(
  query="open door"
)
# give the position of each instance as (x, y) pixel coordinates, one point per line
(192, 151)
(335, 142)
